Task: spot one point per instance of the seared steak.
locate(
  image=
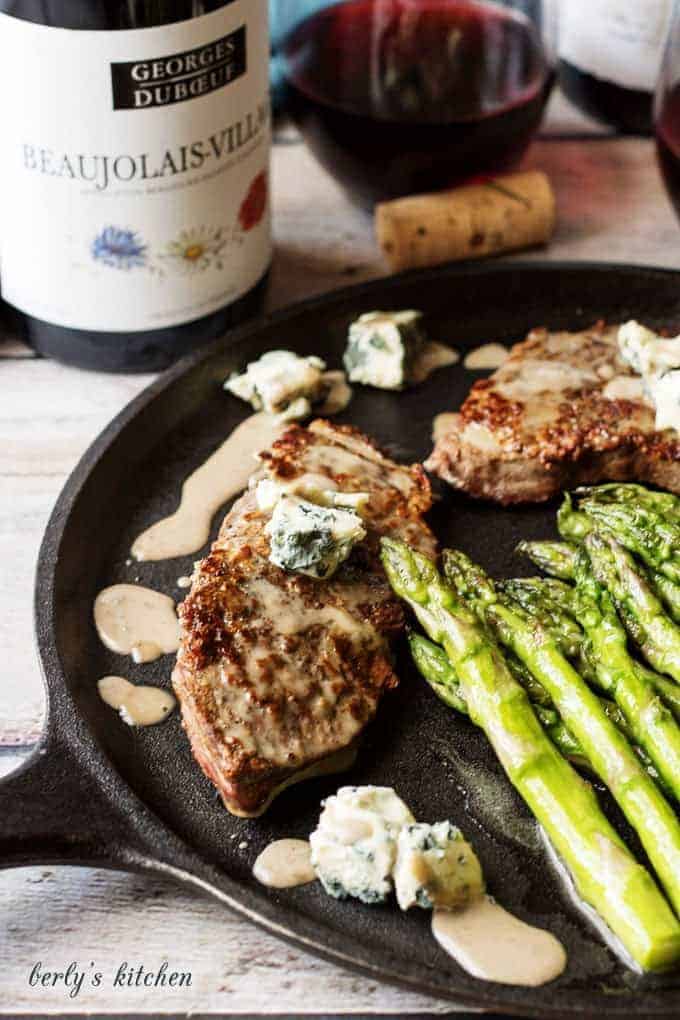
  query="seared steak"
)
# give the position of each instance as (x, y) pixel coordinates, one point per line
(278, 672)
(563, 410)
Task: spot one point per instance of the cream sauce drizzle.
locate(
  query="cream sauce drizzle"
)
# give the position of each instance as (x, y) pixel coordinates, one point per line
(443, 423)
(486, 356)
(136, 621)
(285, 863)
(223, 475)
(339, 394)
(432, 357)
(291, 615)
(625, 387)
(493, 945)
(138, 705)
(539, 375)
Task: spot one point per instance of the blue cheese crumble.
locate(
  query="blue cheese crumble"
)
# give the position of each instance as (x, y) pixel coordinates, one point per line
(382, 348)
(306, 538)
(436, 868)
(657, 360)
(354, 846)
(287, 385)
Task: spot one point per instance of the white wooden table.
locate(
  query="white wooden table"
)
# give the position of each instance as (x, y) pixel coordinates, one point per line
(611, 206)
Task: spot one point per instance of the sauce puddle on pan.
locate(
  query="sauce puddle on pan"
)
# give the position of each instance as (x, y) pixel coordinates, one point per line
(486, 357)
(138, 705)
(284, 864)
(432, 357)
(221, 477)
(494, 945)
(136, 621)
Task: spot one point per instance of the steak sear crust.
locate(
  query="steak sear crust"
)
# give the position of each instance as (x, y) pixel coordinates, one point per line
(552, 417)
(276, 671)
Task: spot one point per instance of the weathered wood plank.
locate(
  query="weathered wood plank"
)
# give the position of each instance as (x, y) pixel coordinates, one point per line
(64, 915)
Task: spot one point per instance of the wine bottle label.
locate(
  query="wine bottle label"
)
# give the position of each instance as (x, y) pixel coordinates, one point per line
(620, 41)
(134, 169)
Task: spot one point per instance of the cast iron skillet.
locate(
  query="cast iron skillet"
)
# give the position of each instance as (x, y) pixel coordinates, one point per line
(97, 792)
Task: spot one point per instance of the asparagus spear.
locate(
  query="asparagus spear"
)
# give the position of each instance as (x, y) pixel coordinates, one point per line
(538, 600)
(572, 524)
(651, 722)
(655, 540)
(563, 595)
(434, 666)
(668, 591)
(605, 873)
(669, 691)
(665, 503)
(555, 558)
(531, 591)
(641, 611)
(612, 757)
(576, 524)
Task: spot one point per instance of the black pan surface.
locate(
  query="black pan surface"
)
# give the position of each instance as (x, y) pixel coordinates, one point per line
(101, 792)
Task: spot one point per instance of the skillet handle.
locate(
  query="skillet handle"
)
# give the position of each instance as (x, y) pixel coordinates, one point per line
(53, 812)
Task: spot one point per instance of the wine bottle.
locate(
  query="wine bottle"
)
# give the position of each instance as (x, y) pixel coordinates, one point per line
(134, 162)
(610, 54)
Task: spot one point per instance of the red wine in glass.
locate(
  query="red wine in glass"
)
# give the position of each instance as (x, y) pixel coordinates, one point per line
(668, 143)
(396, 97)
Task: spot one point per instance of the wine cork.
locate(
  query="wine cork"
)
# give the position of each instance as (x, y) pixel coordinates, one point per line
(502, 214)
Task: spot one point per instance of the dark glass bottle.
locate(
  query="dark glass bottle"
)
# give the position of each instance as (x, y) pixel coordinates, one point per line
(610, 57)
(629, 110)
(134, 219)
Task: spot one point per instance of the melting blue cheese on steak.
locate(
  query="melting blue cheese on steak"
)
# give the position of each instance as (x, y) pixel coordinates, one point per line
(354, 846)
(306, 538)
(383, 347)
(436, 868)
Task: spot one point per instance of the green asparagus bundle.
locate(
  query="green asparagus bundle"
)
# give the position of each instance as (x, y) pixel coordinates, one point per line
(657, 636)
(607, 749)
(605, 873)
(664, 503)
(550, 608)
(655, 539)
(529, 592)
(641, 526)
(558, 559)
(434, 666)
(651, 722)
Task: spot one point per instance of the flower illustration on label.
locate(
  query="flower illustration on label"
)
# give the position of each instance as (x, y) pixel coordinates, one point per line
(197, 249)
(119, 248)
(254, 204)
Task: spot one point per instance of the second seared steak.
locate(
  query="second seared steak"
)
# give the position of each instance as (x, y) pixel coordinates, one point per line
(563, 410)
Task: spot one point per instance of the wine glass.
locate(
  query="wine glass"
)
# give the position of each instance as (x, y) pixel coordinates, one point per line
(667, 111)
(396, 97)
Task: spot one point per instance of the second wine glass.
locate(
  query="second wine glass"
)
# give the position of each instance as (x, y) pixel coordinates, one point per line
(403, 96)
